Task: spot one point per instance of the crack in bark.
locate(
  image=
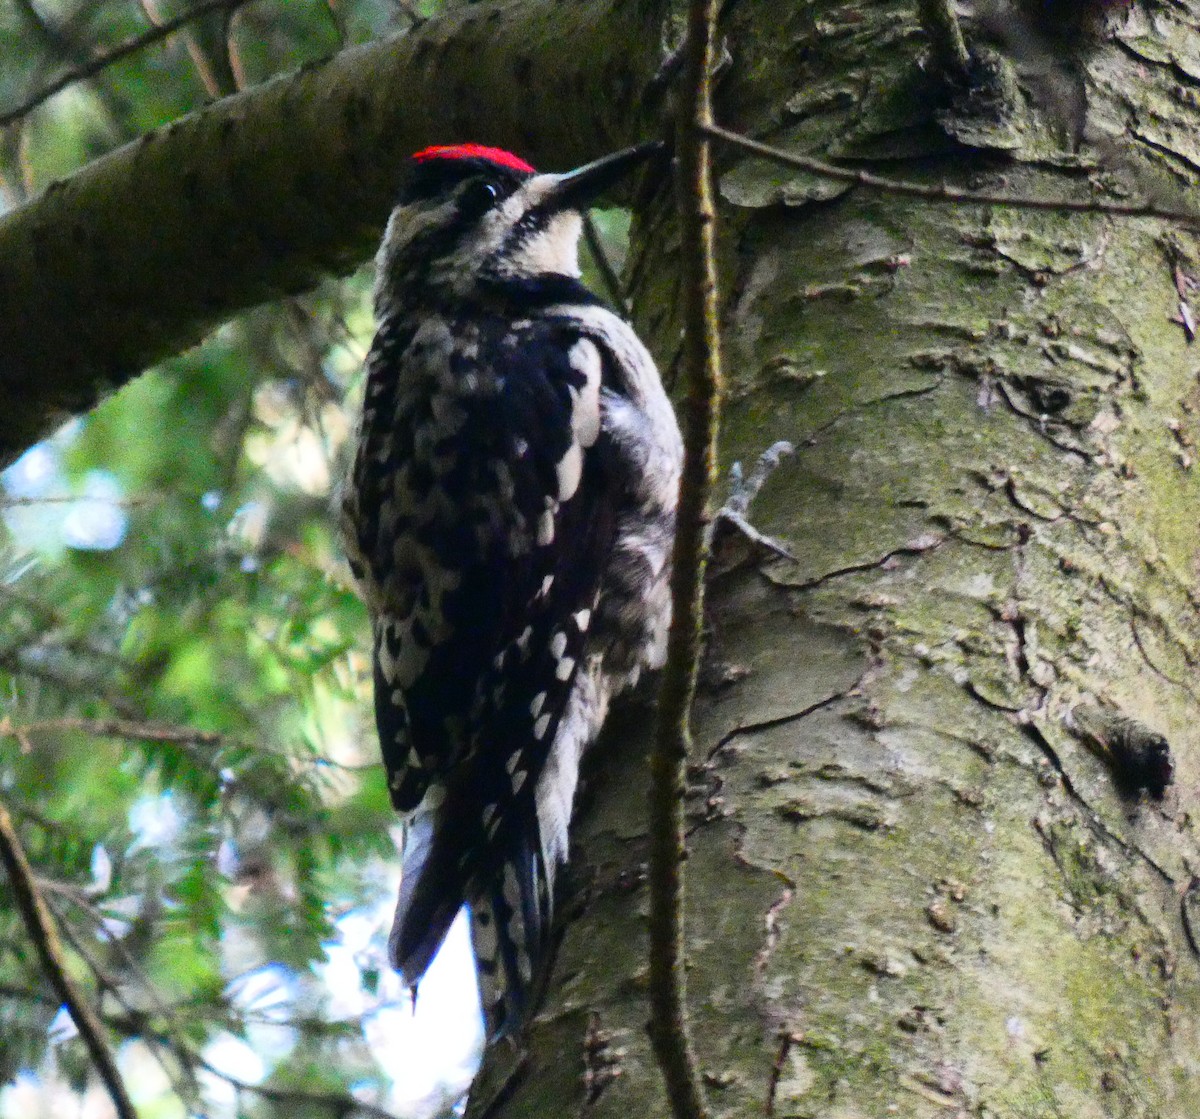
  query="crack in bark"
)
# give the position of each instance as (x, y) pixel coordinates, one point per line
(1038, 737)
(963, 680)
(1010, 491)
(1172, 155)
(1185, 915)
(781, 720)
(513, 1080)
(1163, 675)
(1041, 424)
(916, 548)
(1135, 608)
(771, 920)
(1024, 718)
(813, 437)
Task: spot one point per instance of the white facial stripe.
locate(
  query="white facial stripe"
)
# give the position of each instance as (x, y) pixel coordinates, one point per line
(551, 246)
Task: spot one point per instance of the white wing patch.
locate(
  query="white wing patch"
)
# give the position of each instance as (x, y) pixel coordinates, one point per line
(569, 471)
(585, 401)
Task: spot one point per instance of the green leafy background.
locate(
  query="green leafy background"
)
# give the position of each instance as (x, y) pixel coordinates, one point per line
(186, 742)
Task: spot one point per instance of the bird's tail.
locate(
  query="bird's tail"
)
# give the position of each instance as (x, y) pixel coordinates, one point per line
(428, 902)
(511, 913)
(511, 921)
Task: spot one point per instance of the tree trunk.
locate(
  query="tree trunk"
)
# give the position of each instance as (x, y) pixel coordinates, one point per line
(921, 880)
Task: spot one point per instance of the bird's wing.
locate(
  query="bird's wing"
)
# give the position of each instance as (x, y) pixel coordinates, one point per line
(527, 540)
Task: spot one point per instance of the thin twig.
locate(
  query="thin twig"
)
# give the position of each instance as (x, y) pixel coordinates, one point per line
(67, 47)
(340, 1105)
(7, 502)
(24, 994)
(668, 1005)
(200, 62)
(108, 983)
(339, 24)
(943, 193)
(947, 47)
(612, 282)
(42, 932)
(787, 1039)
(101, 62)
(138, 730)
(120, 728)
(50, 38)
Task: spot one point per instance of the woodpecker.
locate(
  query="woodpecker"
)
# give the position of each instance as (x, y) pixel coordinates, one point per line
(509, 519)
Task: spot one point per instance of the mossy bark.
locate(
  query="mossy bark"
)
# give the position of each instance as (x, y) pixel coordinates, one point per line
(914, 887)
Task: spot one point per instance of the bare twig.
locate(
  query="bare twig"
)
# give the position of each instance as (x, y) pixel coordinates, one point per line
(107, 982)
(787, 1039)
(42, 932)
(200, 62)
(943, 193)
(947, 47)
(66, 48)
(24, 994)
(7, 502)
(138, 730)
(701, 361)
(120, 728)
(339, 23)
(612, 282)
(12, 661)
(101, 62)
(340, 1105)
(32, 18)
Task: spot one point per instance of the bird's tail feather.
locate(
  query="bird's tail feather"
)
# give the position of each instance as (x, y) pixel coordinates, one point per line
(426, 906)
(511, 918)
(511, 915)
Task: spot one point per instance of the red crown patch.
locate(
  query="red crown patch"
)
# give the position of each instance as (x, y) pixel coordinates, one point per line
(474, 151)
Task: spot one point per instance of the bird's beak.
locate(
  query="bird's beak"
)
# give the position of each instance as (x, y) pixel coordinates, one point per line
(578, 189)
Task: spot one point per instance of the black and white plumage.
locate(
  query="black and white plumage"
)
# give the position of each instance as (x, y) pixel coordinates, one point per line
(510, 519)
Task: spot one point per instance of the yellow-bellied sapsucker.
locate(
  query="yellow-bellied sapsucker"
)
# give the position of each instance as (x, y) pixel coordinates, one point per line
(510, 519)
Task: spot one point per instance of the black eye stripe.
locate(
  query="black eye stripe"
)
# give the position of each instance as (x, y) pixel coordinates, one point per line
(530, 224)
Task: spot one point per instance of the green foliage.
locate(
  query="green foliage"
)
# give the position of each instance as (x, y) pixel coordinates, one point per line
(186, 740)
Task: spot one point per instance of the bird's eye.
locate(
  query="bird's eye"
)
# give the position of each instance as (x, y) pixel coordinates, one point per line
(480, 195)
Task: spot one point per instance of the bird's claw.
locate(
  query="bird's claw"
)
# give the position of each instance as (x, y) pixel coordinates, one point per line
(743, 491)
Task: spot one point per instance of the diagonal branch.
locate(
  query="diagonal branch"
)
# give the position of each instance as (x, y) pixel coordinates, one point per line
(943, 193)
(673, 736)
(263, 194)
(101, 62)
(42, 932)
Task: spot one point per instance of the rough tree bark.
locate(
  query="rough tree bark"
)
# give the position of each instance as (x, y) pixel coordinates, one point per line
(914, 886)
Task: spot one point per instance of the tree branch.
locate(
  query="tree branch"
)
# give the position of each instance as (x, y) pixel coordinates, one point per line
(673, 736)
(101, 62)
(341, 1106)
(943, 193)
(42, 932)
(262, 194)
(130, 729)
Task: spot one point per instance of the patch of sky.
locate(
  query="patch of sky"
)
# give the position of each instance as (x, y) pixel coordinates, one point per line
(45, 513)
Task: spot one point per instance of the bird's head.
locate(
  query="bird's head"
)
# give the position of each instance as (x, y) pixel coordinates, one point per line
(468, 214)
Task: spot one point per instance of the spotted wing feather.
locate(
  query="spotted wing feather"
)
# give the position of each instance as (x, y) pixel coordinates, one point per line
(502, 517)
